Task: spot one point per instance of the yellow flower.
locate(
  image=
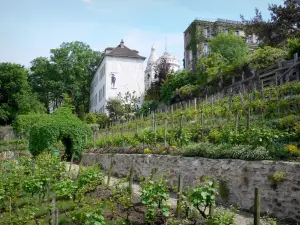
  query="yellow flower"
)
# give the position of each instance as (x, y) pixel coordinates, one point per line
(147, 151)
(292, 149)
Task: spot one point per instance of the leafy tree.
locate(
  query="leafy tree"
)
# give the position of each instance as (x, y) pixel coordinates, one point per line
(284, 23)
(293, 47)
(102, 119)
(70, 70)
(148, 106)
(266, 56)
(160, 74)
(130, 102)
(175, 81)
(15, 93)
(229, 46)
(115, 108)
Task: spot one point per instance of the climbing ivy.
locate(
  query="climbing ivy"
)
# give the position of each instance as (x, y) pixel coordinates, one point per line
(63, 126)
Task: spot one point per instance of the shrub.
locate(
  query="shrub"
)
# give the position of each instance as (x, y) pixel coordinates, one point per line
(293, 47)
(292, 150)
(91, 118)
(289, 122)
(221, 217)
(266, 56)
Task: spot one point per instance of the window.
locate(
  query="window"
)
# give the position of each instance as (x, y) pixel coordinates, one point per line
(227, 31)
(205, 49)
(99, 96)
(103, 91)
(237, 32)
(191, 54)
(206, 32)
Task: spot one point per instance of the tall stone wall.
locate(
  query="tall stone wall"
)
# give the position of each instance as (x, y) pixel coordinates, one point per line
(237, 178)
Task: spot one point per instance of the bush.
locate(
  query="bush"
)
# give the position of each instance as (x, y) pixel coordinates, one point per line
(14, 145)
(91, 118)
(225, 151)
(289, 122)
(266, 56)
(221, 217)
(293, 47)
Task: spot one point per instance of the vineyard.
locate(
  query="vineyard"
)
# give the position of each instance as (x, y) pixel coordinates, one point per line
(252, 126)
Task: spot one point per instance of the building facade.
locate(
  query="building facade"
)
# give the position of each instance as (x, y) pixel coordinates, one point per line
(199, 33)
(153, 61)
(121, 70)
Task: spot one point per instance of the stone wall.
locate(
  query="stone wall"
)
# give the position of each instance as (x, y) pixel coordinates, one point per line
(237, 178)
(6, 133)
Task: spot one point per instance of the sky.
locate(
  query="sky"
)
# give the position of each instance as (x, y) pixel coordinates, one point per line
(30, 28)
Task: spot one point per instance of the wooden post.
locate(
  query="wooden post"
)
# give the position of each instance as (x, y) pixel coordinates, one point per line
(137, 128)
(180, 129)
(212, 106)
(248, 119)
(189, 104)
(256, 207)
(56, 216)
(195, 108)
(54, 207)
(230, 101)
(165, 131)
(179, 197)
(242, 100)
(49, 201)
(153, 121)
(172, 116)
(110, 170)
(236, 121)
(212, 206)
(202, 119)
(131, 175)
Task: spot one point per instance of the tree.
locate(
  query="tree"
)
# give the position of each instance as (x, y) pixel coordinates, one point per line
(161, 71)
(130, 102)
(284, 23)
(115, 108)
(70, 70)
(233, 48)
(15, 93)
(266, 56)
(293, 47)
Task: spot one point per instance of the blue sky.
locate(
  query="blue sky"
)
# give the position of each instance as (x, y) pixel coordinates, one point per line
(30, 28)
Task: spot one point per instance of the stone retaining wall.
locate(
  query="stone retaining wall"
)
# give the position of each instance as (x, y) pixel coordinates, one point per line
(237, 178)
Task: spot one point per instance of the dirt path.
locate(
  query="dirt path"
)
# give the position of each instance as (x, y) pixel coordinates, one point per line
(242, 218)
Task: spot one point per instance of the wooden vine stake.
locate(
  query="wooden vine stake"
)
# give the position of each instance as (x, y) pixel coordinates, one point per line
(110, 170)
(153, 172)
(54, 207)
(236, 121)
(195, 107)
(180, 128)
(165, 131)
(172, 116)
(248, 118)
(131, 174)
(256, 207)
(49, 201)
(212, 206)
(56, 216)
(179, 197)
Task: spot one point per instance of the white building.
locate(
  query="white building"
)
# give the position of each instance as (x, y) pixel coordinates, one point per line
(120, 70)
(153, 61)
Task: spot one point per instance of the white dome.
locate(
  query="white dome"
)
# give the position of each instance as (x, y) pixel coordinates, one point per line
(171, 59)
(153, 56)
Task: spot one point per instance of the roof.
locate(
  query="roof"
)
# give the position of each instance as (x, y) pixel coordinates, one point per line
(122, 51)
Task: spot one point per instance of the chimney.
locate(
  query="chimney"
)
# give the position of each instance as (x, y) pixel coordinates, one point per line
(122, 44)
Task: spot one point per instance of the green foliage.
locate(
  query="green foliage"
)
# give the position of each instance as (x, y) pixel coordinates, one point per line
(61, 125)
(70, 70)
(23, 123)
(293, 47)
(91, 118)
(15, 93)
(230, 46)
(277, 177)
(264, 57)
(154, 195)
(289, 122)
(14, 145)
(102, 119)
(148, 106)
(202, 196)
(115, 108)
(221, 217)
